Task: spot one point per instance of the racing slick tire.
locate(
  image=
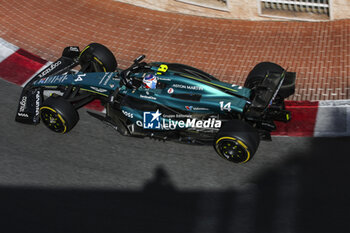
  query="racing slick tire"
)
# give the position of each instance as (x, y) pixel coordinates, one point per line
(259, 72)
(97, 58)
(58, 114)
(236, 141)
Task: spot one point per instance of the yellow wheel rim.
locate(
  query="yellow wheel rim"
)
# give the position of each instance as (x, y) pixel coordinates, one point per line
(232, 149)
(53, 120)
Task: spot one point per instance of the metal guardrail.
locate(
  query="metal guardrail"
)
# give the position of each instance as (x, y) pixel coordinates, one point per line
(307, 6)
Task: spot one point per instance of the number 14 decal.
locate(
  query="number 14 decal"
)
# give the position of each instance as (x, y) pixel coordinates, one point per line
(224, 106)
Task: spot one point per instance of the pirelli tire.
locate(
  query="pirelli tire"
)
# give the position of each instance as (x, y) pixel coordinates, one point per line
(236, 141)
(58, 114)
(97, 58)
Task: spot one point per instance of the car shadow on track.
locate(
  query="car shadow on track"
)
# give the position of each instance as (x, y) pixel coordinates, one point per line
(307, 193)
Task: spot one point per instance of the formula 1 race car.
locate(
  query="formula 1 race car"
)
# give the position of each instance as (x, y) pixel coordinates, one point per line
(166, 101)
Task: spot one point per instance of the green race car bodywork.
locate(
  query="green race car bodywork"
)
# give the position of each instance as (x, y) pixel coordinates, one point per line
(180, 92)
(186, 105)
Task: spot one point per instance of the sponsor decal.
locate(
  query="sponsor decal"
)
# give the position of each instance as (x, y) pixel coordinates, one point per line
(200, 109)
(115, 77)
(59, 79)
(98, 89)
(148, 97)
(23, 115)
(128, 114)
(53, 79)
(164, 79)
(108, 78)
(37, 103)
(50, 68)
(278, 88)
(103, 78)
(152, 120)
(191, 108)
(188, 87)
(170, 90)
(22, 104)
(105, 81)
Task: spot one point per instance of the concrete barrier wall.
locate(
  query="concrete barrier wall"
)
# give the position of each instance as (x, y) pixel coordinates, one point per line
(235, 9)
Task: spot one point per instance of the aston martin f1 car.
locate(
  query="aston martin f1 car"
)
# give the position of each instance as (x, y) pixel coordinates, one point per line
(165, 101)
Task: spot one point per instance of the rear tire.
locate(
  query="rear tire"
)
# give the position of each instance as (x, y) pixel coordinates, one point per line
(259, 72)
(237, 141)
(58, 114)
(97, 58)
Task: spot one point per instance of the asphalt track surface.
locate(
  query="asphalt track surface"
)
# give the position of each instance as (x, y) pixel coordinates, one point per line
(93, 179)
(94, 155)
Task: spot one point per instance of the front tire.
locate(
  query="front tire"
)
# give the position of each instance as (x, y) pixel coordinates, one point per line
(97, 58)
(58, 114)
(237, 141)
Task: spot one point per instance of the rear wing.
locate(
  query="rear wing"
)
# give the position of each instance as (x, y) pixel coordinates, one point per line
(274, 84)
(31, 98)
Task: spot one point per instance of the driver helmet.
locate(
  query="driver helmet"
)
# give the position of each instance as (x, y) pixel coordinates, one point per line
(150, 81)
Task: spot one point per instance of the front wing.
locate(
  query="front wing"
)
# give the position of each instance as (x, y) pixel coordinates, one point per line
(32, 97)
